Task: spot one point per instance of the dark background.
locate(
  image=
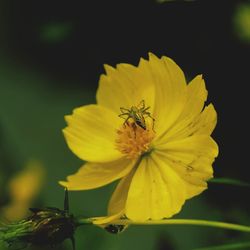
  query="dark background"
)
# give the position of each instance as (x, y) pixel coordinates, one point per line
(51, 56)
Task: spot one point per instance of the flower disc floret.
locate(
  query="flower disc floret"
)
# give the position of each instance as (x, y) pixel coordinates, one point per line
(133, 141)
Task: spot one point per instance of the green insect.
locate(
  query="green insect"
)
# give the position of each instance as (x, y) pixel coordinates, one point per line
(137, 114)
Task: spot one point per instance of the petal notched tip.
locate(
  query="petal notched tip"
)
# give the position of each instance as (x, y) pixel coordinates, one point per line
(109, 69)
(152, 56)
(200, 77)
(67, 119)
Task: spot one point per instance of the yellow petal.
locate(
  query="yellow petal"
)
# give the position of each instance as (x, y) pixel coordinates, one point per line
(196, 96)
(124, 86)
(94, 175)
(206, 122)
(170, 92)
(91, 133)
(194, 170)
(106, 220)
(201, 124)
(197, 145)
(116, 207)
(139, 195)
(159, 82)
(119, 197)
(155, 192)
(117, 210)
(191, 158)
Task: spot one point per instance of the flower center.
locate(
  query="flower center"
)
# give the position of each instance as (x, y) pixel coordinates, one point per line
(133, 140)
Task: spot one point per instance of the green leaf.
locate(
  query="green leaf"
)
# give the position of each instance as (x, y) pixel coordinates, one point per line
(229, 181)
(241, 245)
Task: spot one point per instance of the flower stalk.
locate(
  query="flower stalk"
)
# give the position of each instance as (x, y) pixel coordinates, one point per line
(207, 223)
(51, 226)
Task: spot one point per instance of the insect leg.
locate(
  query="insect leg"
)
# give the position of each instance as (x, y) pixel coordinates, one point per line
(153, 119)
(121, 115)
(140, 121)
(124, 110)
(126, 121)
(141, 105)
(145, 109)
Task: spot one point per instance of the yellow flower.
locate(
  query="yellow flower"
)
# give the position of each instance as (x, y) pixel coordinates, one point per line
(163, 153)
(241, 21)
(23, 188)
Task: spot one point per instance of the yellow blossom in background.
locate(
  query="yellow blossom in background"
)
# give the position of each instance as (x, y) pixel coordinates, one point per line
(150, 129)
(241, 21)
(23, 189)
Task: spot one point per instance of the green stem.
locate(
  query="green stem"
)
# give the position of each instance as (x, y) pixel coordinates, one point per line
(83, 221)
(234, 246)
(218, 224)
(187, 222)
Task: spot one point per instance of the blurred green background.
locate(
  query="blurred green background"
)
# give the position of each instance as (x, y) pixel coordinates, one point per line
(51, 56)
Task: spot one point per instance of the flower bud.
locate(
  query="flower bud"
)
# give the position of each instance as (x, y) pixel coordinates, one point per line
(46, 226)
